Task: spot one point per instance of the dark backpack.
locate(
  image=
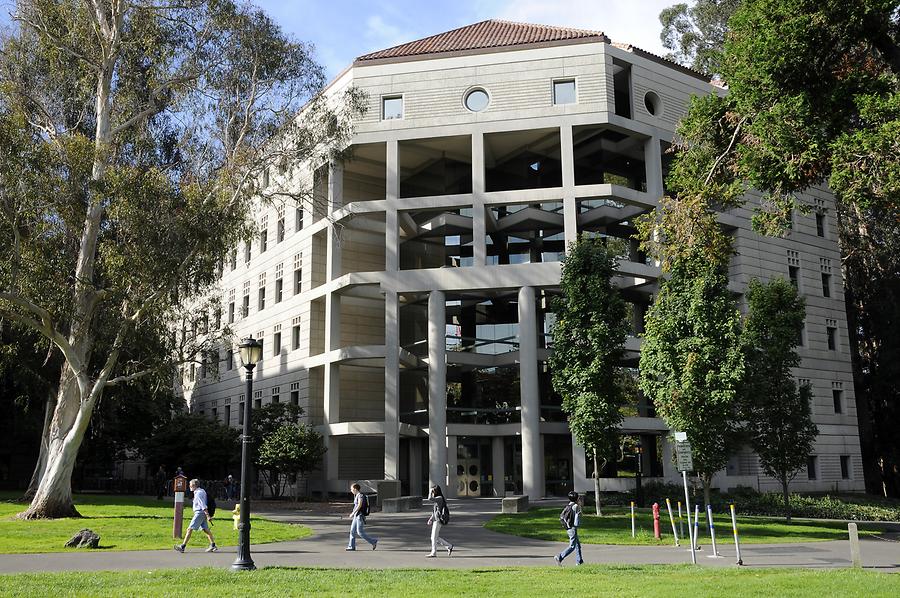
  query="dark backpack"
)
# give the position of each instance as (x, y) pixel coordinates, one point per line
(211, 504)
(444, 513)
(567, 517)
(364, 509)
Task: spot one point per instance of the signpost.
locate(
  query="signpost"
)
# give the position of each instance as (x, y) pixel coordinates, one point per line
(684, 462)
(179, 485)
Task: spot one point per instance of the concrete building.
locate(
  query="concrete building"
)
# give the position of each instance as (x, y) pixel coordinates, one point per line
(412, 326)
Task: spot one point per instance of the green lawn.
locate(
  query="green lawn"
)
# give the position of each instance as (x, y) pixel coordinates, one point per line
(125, 523)
(587, 580)
(614, 527)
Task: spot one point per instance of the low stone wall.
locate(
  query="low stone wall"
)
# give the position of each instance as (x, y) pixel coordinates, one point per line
(515, 504)
(401, 504)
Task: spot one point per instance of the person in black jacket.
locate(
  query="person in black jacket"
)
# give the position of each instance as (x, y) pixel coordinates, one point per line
(440, 516)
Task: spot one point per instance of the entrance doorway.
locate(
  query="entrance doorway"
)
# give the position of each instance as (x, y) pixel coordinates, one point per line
(473, 466)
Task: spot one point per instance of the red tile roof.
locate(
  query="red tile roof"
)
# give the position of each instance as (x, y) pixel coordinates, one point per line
(486, 34)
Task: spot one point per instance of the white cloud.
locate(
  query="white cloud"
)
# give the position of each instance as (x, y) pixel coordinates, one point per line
(385, 35)
(635, 22)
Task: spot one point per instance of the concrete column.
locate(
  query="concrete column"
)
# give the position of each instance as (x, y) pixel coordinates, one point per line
(479, 230)
(335, 187)
(532, 453)
(415, 466)
(498, 465)
(391, 386)
(437, 389)
(452, 479)
(332, 416)
(581, 483)
(392, 192)
(653, 168)
(570, 212)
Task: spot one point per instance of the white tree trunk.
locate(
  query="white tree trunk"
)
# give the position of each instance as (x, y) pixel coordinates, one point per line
(41, 465)
(596, 484)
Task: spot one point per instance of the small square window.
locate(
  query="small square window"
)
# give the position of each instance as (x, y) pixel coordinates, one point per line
(392, 107)
(564, 92)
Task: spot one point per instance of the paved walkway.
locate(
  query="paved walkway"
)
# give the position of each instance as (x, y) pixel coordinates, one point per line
(404, 540)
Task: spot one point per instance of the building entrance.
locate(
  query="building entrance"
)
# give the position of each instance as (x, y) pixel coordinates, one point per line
(474, 466)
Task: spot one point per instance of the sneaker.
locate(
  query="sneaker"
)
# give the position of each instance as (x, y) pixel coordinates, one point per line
(212, 548)
(431, 556)
(374, 544)
(450, 550)
(179, 548)
(558, 560)
(348, 549)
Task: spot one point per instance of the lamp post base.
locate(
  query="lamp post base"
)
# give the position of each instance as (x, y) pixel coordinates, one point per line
(243, 565)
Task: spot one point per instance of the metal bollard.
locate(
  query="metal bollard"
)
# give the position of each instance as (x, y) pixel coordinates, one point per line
(696, 527)
(680, 520)
(712, 533)
(672, 520)
(656, 532)
(737, 542)
(632, 520)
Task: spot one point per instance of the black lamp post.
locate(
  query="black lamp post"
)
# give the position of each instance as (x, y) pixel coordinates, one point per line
(251, 353)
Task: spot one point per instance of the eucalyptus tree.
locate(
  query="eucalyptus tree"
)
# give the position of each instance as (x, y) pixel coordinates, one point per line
(588, 348)
(136, 138)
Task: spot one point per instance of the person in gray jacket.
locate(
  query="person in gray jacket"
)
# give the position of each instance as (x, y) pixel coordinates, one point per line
(440, 516)
(571, 519)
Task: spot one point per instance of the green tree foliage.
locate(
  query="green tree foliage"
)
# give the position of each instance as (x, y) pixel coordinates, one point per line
(203, 447)
(691, 364)
(291, 450)
(775, 412)
(134, 139)
(264, 423)
(813, 100)
(588, 347)
(695, 34)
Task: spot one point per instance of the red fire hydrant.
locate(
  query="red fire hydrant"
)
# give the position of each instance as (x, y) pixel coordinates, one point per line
(656, 520)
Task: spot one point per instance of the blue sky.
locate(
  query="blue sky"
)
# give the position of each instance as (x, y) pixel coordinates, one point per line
(344, 29)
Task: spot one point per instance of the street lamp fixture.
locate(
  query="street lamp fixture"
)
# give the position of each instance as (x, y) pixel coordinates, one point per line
(251, 353)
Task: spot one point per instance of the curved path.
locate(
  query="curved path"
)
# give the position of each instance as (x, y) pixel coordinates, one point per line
(404, 542)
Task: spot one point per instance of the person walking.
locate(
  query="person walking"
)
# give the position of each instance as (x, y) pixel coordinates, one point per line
(200, 519)
(571, 520)
(161, 480)
(440, 516)
(358, 519)
(229, 487)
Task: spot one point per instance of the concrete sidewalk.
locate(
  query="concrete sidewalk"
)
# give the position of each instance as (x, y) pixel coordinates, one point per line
(404, 542)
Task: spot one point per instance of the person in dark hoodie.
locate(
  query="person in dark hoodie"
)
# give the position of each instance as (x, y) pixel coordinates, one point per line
(440, 516)
(571, 519)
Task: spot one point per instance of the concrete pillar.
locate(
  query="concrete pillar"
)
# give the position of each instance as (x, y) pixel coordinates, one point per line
(415, 466)
(332, 416)
(392, 192)
(581, 483)
(452, 478)
(437, 389)
(570, 211)
(653, 168)
(498, 465)
(479, 230)
(391, 386)
(532, 453)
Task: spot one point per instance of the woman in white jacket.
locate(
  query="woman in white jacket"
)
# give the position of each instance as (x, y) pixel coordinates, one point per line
(439, 508)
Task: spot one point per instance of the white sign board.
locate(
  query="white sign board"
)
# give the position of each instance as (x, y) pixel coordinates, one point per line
(683, 458)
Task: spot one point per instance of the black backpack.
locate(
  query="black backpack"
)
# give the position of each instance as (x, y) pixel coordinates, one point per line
(444, 513)
(211, 504)
(567, 517)
(364, 509)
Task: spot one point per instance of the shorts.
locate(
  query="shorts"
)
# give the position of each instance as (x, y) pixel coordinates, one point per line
(198, 521)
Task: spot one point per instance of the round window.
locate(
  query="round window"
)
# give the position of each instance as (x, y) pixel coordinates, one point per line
(653, 103)
(477, 100)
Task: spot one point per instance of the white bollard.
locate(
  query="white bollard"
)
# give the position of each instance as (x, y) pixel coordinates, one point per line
(737, 542)
(712, 533)
(632, 520)
(855, 557)
(687, 509)
(696, 527)
(672, 520)
(680, 520)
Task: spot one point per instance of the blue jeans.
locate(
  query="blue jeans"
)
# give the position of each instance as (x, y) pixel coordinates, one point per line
(358, 527)
(574, 545)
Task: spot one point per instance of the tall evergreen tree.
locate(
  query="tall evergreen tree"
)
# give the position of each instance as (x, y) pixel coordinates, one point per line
(775, 411)
(588, 346)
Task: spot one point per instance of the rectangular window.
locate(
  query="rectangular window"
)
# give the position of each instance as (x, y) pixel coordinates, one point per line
(831, 331)
(298, 220)
(295, 393)
(298, 275)
(245, 309)
(391, 107)
(800, 335)
(845, 467)
(794, 274)
(247, 253)
(812, 467)
(262, 299)
(231, 313)
(276, 394)
(837, 394)
(227, 415)
(276, 341)
(215, 413)
(279, 283)
(229, 359)
(564, 92)
(295, 334)
(263, 240)
(820, 224)
(826, 285)
(257, 403)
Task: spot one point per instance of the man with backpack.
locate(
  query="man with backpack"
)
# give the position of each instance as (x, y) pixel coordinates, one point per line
(204, 509)
(440, 516)
(358, 519)
(570, 518)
